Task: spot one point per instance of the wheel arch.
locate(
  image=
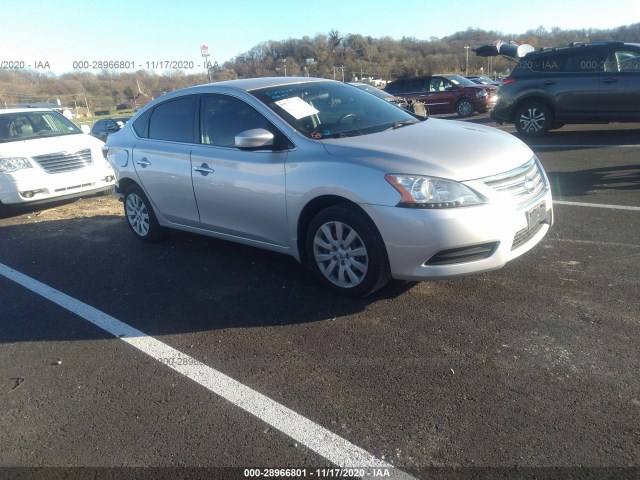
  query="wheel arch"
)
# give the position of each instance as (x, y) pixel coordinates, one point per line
(125, 183)
(531, 98)
(311, 209)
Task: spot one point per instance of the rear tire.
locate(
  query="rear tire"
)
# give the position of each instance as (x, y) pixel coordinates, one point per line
(140, 216)
(346, 253)
(533, 119)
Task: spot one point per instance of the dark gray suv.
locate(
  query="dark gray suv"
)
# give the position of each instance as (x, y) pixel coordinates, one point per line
(581, 83)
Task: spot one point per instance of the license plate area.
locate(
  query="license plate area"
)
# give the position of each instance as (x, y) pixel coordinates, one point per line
(536, 215)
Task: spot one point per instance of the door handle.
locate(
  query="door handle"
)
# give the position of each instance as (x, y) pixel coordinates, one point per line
(204, 169)
(610, 80)
(549, 82)
(144, 163)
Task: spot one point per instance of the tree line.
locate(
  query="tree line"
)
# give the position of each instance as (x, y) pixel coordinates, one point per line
(326, 55)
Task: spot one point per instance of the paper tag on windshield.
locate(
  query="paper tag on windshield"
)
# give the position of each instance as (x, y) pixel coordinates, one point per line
(296, 107)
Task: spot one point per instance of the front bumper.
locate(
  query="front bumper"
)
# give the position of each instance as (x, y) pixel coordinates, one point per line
(500, 113)
(34, 186)
(449, 243)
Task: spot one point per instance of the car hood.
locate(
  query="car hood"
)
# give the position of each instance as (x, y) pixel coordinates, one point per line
(44, 145)
(441, 148)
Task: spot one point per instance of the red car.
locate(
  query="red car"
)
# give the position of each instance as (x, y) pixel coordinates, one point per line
(446, 94)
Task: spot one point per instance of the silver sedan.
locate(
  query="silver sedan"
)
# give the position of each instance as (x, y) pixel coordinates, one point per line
(348, 184)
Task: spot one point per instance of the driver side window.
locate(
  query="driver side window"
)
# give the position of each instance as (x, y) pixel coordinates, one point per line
(222, 117)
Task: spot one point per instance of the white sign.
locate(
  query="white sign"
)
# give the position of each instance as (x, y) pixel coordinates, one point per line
(296, 107)
(204, 50)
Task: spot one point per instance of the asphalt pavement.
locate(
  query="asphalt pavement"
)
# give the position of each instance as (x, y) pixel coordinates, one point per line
(216, 360)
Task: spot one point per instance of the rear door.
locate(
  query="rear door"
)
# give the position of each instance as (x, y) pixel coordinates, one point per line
(571, 82)
(578, 88)
(163, 160)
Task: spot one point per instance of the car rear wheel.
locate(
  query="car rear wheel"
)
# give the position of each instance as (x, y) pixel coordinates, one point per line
(533, 119)
(465, 107)
(346, 252)
(140, 216)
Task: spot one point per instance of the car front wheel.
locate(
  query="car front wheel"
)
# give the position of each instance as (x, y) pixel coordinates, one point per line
(465, 107)
(140, 216)
(346, 253)
(533, 119)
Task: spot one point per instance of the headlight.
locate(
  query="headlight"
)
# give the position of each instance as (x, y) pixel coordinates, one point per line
(11, 164)
(481, 93)
(425, 192)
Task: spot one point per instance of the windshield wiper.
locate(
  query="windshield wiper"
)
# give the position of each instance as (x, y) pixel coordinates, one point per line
(402, 124)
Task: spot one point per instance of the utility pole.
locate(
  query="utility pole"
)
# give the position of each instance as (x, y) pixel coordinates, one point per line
(466, 64)
(204, 51)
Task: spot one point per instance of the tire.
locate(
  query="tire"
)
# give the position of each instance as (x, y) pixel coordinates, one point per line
(465, 108)
(533, 119)
(140, 216)
(346, 253)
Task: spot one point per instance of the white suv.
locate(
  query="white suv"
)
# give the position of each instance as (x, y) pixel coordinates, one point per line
(45, 157)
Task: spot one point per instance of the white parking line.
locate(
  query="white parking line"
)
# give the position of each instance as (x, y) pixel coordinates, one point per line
(597, 205)
(334, 448)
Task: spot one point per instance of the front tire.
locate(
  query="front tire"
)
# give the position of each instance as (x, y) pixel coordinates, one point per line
(140, 216)
(465, 108)
(533, 119)
(346, 252)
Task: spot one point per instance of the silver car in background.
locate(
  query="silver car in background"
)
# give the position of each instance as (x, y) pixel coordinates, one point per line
(348, 184)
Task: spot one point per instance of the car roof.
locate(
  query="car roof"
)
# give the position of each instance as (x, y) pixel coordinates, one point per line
(24, 110)
(241, 85)
(249, 84)
(578, 45)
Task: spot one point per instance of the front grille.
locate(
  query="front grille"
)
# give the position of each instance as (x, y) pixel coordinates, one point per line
(525, 183)
(64, 162)
(524, 235)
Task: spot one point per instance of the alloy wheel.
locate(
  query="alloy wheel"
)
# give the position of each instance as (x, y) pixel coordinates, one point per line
(340, 254)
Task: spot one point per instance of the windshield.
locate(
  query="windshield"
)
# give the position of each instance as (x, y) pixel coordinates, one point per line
(460, 80)
(30, 125)
(332, 110)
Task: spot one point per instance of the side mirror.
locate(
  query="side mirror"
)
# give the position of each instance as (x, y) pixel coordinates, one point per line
(85, 128)
(254, 138)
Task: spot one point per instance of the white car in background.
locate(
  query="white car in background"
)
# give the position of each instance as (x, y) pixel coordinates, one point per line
(45, 157)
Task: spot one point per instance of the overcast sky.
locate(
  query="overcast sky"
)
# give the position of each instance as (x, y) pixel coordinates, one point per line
(145, 32)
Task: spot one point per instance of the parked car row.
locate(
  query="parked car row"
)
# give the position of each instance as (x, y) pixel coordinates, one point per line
(596, 82)
(446, 94)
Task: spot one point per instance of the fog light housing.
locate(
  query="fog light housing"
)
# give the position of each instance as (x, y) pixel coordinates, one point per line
(32, 193)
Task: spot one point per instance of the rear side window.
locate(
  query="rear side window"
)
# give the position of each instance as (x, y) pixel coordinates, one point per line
(141, 125)
(174, 120)
(586, 62)
(624, 60)
(412, 85)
